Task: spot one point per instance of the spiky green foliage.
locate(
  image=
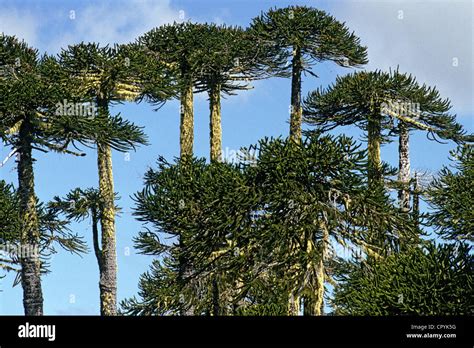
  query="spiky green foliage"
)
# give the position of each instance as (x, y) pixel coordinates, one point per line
(432, 280)
(306, 36)
(357, 98)
(315, 197)
(250, 229)
(318, 35)
(105, 76)
(451, 197)
(30, 90)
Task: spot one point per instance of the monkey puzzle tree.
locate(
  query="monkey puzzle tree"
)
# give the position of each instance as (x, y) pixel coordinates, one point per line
(371, 101)
(308, 36)
(179, 47)
(315, 193)
(245, 226)
(106, 76)
(30, 89)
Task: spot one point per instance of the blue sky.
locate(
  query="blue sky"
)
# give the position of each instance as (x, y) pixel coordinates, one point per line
(431, 39)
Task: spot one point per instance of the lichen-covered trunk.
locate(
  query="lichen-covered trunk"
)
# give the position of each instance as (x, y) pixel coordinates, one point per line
(187, 121)
(30, 235)
(215, 123)
(314, 303)
(374, 140)
(293, 304)
(185, 271)
(108, 271)
(404, 167)
(296, 108)
(416, 202)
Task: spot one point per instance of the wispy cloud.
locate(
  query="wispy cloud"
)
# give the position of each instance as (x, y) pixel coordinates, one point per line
(22, 24)
(430, 39)
(107, 22)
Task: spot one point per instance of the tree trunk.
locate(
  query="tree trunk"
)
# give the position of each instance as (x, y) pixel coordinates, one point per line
(187, 121)
(373, 147)
(215, 123)
(95, 237)
(30, 235)
(416, 202)
(215, 296)
(293, 304)
(314, 304)
(404, 167)
(296, 108)
(108, 275)
(185, 270)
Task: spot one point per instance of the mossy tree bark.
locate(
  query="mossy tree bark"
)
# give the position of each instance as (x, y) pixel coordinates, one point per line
(30, 235)
(374, 141)
(296, 108)
(108, 266)
(187, 120)
(404, 167)
(314, 302)
(215, 124)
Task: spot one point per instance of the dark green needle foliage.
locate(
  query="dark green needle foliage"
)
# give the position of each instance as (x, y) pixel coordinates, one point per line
(307, 36)
(367, 99)
(430, 280)
(29, 121)
(451, 197)
(231, 58)
(256, 231)
(205, 208)
(315, 193)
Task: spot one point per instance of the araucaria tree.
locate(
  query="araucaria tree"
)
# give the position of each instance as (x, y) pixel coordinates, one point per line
(307, 36)
(178, 47)
(374, 101)
(105, 76)
(249, 228)
(30, 90)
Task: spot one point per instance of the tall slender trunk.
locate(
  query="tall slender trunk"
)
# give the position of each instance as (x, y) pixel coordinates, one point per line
(296, 108)
(95, 238)
(314, 303)
(215, 123)
(108, 274)
(30, 235)
(374, 141)
(416, 202)
(404, 167)
(187, 120)
(186, 150)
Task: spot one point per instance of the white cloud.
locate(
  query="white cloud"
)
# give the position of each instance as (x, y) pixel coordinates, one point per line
(115, 22)
(425, 38)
